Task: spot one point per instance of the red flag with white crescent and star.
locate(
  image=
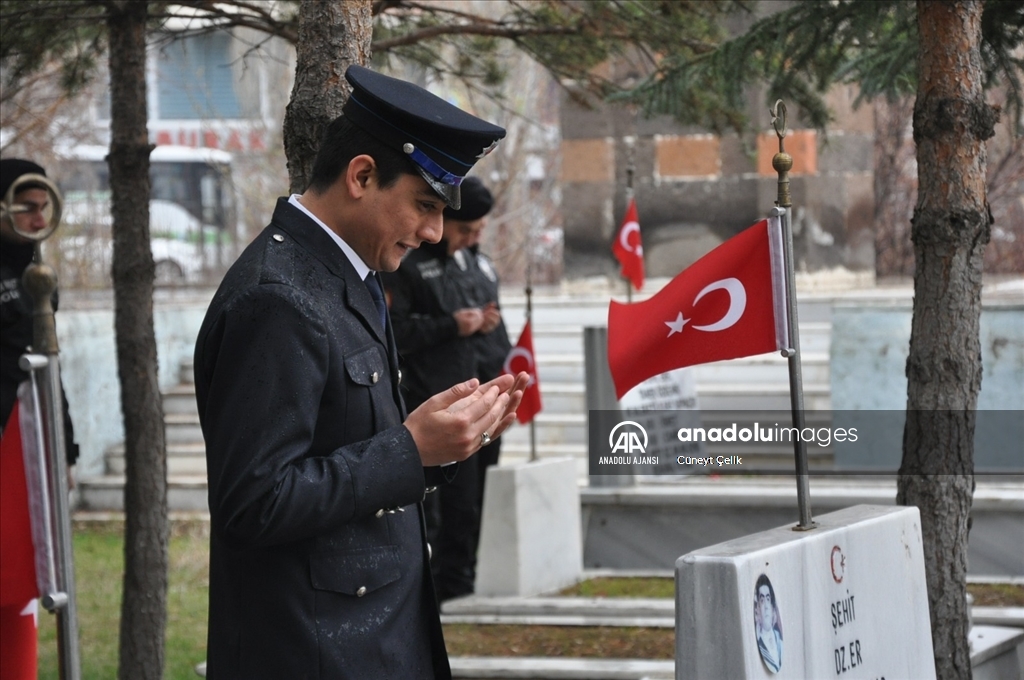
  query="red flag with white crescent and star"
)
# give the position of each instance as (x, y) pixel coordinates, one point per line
(728, 304)
(521, 358)
(629, 249)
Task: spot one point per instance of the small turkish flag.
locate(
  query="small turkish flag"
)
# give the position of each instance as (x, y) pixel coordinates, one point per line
(521, 358)
(728, 304)
(628, 249)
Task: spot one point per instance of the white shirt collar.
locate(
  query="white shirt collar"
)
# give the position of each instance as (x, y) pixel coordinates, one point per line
(352, 256)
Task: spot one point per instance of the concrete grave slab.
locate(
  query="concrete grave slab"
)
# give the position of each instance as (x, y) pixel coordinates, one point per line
(530, 537)
(845, 600)
(997, 653)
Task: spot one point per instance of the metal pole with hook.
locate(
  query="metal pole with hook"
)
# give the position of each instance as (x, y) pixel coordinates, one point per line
(46, 462)
(529, 318)
(40, 282)
(782, 162)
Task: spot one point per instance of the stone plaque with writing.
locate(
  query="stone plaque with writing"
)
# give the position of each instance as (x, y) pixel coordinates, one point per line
(851, 594)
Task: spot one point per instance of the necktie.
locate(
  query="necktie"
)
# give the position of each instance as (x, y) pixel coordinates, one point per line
(377, 293)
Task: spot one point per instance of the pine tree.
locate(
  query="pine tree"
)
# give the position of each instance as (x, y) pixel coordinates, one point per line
(948, 52)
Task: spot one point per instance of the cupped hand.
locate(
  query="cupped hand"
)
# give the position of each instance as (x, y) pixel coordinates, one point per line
(449, 426)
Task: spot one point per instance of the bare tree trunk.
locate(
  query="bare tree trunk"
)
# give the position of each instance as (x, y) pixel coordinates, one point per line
(332, 35)
(950, 230)
(144, 602)
(895, 187)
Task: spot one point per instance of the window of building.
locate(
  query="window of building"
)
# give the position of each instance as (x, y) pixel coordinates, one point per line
(195, 80)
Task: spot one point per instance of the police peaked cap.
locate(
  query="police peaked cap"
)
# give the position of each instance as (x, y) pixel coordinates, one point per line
(441, 140)
(477, 201)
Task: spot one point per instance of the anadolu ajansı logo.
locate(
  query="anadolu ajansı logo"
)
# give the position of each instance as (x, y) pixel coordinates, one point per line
(628, 440)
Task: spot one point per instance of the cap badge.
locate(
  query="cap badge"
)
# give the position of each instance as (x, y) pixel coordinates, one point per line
(489, 149)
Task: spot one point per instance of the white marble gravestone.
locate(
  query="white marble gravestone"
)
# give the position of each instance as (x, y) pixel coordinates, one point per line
(846, 600)
(530, 535)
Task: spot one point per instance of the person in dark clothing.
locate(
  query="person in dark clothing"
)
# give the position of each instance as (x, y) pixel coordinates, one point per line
(438, 316)
(491, 343)
(318, 557)
(26, 219)
(433, 322)
(16, 255)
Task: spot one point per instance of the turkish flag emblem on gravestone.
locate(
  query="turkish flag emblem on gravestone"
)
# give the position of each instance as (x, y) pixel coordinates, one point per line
(728, 304)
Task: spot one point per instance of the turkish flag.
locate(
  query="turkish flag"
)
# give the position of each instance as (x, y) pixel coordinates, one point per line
(728, 304)
(521, 358)
(18, 583)
(628, 248)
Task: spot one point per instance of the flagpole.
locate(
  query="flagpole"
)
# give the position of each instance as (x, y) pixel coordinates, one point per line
(40, 281)
(629, 196)
(529, 317)
(782, 162)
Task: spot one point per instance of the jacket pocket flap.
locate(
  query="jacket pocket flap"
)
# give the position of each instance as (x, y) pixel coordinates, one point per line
(365, 367)
(350, 572)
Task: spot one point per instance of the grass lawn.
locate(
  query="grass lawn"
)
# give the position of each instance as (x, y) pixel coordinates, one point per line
(616, 586)
(99, 571)
(568, 641)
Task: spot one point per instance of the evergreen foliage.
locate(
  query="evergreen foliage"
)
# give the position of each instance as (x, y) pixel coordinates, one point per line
(668, 56)
(464, 41)
(33, 32)
(574, 41)
(800, 52)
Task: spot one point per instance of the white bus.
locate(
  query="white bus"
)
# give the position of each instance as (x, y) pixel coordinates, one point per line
(192, 215)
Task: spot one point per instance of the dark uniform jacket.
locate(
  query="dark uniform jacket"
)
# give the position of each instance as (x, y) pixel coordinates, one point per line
(318, 562)
(491, 348)
(424, 292)
(16, 334)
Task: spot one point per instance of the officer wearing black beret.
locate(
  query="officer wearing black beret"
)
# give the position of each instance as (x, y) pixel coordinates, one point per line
(318, 560)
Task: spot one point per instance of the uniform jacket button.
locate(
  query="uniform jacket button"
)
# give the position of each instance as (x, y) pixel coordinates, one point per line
(399, 376)
(278, 238)
(380, 513)
(361, 591)
(374, 377)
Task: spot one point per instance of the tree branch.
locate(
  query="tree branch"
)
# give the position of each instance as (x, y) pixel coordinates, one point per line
(510, 32)
(254, 16)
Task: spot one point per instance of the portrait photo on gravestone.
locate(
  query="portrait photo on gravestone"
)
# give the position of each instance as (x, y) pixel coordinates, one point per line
(718, 442)
(768, 624)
